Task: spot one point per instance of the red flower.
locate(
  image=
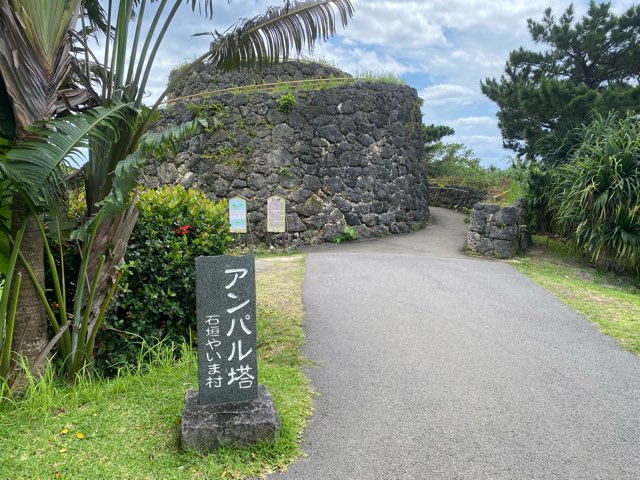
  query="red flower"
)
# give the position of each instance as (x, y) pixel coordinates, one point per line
(182, 230)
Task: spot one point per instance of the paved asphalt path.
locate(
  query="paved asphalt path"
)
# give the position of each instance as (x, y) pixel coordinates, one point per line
(431, 365)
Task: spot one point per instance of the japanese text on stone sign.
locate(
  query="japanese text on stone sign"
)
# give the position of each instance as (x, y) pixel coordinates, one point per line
(228, 360)
(237, 372)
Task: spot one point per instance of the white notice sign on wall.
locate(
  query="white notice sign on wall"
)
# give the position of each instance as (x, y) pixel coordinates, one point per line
(276, 214)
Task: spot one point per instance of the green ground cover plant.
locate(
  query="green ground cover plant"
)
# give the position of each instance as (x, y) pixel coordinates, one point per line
(347, 235)
(285, 103)
(127, 427)
(611, 301)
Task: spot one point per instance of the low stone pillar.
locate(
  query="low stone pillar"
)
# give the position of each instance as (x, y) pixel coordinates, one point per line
(495, 231)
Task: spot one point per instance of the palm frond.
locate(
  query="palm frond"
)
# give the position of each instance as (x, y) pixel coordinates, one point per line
(270, 37)
(35, 165)
(34, 53)
(156, 143)
(128, 170)
(95, 14)
(124, 181)
(206, 5)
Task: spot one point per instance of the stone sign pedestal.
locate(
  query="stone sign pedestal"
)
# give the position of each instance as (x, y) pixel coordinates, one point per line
(206, 427)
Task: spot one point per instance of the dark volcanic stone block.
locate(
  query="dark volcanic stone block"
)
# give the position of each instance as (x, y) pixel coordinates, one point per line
(205, 427)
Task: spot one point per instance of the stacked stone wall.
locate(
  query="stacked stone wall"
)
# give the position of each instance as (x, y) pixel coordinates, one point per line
(455, 197)
(345, 155)
(497, 231)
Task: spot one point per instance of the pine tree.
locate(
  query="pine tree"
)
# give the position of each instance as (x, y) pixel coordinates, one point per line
(590, 64)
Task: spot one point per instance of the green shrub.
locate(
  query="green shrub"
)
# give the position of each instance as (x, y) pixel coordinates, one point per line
(596, 195)
(157, 293)
(285, 103)
(348, 234)
(456, 164)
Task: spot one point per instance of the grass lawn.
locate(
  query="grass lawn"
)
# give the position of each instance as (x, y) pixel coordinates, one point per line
(610, 301)
(127, 427)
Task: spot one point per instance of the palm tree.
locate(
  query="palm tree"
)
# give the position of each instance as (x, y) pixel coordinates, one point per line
(118, 151)
(34, 62)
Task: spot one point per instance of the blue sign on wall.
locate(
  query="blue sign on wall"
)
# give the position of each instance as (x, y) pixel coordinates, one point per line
(238, 215)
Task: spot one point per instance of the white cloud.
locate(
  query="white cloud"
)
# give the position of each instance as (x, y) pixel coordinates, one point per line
(356, 60)
(444, 94)
(478, 139)
(399, 22)
(473, 122)
(444, 48)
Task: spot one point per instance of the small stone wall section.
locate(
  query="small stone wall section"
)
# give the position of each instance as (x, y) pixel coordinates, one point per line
(455, 197)
(495, 231)
(344, 156)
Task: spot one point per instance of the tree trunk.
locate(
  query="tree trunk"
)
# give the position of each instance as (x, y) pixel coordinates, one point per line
(30, 331)
(111, 240)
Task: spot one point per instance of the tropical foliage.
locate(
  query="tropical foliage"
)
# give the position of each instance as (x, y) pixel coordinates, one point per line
(35, 85)
(596, 195)
(156, 299)
(35, 156)
(456, 164)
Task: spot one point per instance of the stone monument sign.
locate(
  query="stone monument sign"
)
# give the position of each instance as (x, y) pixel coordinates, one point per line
(226, 306)
(229, 406)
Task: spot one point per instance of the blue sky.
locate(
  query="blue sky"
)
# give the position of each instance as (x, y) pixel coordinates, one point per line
(442, 48)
